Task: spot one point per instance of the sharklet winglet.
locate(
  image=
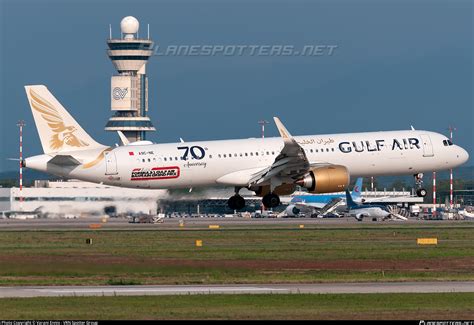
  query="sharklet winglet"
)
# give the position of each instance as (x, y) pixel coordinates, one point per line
(282, 129)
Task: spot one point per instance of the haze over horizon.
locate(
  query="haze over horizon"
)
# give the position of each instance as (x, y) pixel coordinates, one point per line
(396, 64)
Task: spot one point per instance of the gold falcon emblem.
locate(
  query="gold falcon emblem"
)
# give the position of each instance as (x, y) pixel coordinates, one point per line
(63, 134)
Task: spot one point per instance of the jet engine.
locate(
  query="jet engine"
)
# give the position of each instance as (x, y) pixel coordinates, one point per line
(284, 189)
(326, 179)
(292, 211)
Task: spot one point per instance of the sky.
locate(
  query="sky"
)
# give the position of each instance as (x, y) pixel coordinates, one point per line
(395, 63)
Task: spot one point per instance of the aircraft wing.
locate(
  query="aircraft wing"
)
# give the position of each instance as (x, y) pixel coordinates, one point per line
(396, 215)
(290, 165)
(310, 205)
(376, 199)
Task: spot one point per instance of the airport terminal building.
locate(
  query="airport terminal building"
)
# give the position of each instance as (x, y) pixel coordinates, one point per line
(72, 199)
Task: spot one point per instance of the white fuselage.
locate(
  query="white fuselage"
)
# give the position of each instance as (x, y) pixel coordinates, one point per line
(369, 212)
(232, 162)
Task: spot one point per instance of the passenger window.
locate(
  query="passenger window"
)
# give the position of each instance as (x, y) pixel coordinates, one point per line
(225, 156)
(256, 154)
(251, 153)
(311, 150)
(246, 154)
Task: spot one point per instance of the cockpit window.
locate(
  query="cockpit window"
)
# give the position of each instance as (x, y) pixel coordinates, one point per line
(447, 142)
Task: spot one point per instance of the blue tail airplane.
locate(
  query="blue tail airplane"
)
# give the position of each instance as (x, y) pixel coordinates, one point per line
(359, 210)
(319, 201)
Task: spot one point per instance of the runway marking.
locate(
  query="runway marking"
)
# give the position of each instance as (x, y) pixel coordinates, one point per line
(164, 290)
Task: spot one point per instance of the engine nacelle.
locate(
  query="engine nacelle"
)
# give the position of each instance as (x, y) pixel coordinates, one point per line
(284, 189)
(326, 179)
(292, 211)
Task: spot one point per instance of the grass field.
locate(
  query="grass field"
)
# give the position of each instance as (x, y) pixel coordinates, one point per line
(241, 255)
(304, 306)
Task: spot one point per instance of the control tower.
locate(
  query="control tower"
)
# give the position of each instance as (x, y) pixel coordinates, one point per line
(129, 88)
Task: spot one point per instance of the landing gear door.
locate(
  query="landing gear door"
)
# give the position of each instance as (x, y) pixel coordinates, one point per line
(110, 163)
(427, 146)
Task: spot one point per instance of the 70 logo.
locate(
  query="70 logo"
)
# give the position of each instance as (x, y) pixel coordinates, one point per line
(197, 152)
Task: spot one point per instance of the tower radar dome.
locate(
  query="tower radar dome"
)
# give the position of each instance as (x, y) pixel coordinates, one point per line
(129, 25)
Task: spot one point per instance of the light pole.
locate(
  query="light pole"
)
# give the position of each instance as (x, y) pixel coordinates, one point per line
(262, 123)
(451, 129)
(21, 124)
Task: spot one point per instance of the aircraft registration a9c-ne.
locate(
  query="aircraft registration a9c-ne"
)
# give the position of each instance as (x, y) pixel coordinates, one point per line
(270, 166)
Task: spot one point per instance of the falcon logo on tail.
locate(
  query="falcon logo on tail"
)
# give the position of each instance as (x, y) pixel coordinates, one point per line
(62, 134)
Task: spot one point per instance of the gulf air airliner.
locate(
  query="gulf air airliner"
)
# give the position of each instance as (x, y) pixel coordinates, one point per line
(271, 167)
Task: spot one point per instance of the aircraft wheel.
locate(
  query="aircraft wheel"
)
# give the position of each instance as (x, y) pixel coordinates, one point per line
(271, 200)
(421, 192)
(236, 202)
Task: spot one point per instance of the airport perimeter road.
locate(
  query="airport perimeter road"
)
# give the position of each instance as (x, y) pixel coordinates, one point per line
(373, 287)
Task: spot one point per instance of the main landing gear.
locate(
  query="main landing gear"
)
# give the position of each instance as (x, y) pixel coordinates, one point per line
(271, 200)
(420, 191)
(236, 202)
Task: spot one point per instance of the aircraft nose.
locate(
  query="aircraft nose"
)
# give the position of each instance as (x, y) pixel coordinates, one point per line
(462, 155)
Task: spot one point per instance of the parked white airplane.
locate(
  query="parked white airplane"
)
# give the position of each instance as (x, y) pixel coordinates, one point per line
(369, 210)
(270, 166)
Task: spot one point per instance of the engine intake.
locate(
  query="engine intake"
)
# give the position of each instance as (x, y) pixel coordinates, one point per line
(326, 179)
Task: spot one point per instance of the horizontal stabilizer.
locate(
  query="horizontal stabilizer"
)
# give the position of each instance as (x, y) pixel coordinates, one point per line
(64, 160)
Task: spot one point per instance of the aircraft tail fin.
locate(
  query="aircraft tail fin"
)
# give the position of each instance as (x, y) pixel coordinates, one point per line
(349, 201)
(356, 191)
(57, 129)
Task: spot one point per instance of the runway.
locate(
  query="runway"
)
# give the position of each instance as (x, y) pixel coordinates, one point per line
(203, 223)
(158, 290)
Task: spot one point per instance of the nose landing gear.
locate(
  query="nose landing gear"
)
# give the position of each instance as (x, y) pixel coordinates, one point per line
(420, 191)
